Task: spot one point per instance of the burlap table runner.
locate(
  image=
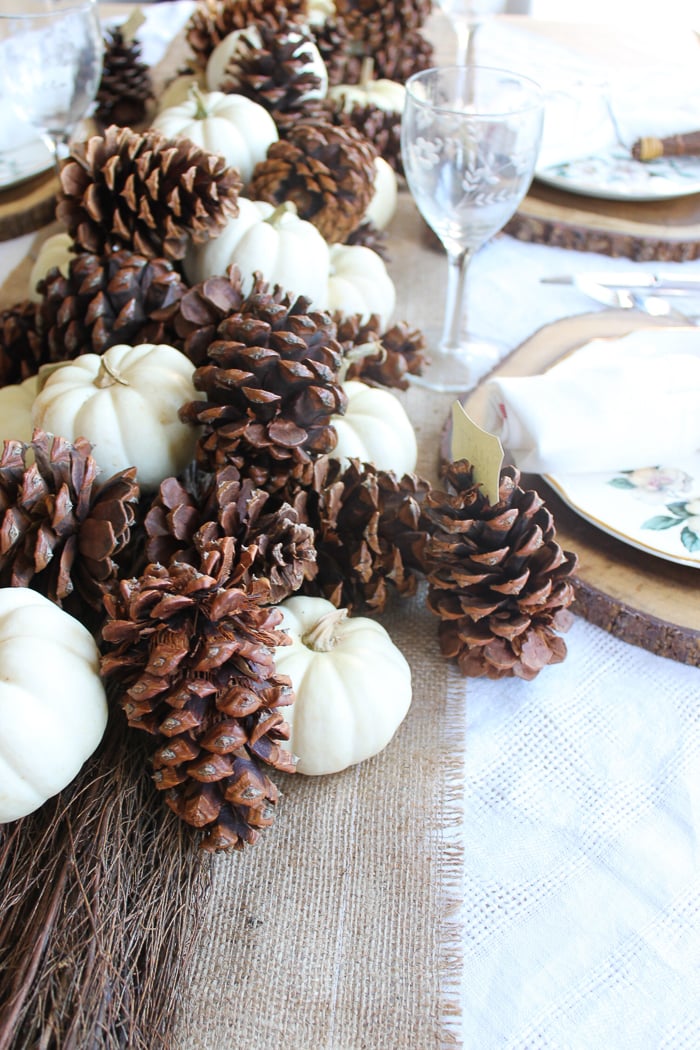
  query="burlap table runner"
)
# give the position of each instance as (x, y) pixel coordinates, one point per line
(334, 932)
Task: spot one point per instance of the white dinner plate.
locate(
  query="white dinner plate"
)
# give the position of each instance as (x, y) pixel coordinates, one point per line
(654, 508)
(614, 175)
(23, 162)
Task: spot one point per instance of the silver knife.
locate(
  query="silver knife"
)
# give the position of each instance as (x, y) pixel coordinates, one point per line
(658, 282)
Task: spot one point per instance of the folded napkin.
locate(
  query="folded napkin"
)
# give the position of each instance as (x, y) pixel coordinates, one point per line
(615, 404)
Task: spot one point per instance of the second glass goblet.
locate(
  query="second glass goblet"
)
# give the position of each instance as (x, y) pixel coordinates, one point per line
(470, 136)
(50, 64)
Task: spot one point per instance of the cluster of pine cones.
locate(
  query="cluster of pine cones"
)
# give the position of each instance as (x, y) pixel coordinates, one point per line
(181, 586)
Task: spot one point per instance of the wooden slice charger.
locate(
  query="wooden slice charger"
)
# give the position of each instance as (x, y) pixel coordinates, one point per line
(663, 230)
(645, 600)
(28, 206)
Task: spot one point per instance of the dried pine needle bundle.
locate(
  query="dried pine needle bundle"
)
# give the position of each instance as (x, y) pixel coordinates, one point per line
(101, 893)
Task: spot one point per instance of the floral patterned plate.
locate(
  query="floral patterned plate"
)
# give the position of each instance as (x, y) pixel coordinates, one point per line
(656, 509)
(615, 175)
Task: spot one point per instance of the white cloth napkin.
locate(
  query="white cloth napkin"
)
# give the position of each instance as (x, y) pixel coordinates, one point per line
(590, 107)
(615, 404)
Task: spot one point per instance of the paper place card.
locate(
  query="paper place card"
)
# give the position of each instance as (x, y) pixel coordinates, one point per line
(482, 449)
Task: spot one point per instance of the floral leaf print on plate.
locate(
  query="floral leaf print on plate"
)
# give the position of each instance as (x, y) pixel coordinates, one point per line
(656, 484)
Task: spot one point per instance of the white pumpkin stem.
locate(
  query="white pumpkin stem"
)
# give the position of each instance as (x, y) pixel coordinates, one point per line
(373, 348)
(322, 637)
(366, 71)
(201, 112)
(282, 209)
(108, 375)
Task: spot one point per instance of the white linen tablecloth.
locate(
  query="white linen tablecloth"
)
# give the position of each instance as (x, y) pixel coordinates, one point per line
(579, 925)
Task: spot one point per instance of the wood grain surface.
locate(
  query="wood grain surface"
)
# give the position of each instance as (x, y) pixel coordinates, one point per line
(28, 206)
(645, 600)
(668, 231)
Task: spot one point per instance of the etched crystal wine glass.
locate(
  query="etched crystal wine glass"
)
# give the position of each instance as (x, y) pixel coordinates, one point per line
(470, 136)
(50, 64)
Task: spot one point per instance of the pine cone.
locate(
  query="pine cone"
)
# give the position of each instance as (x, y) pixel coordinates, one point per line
(381, 127)
(367, 235)
(327, 171)
(271, 386)
(373, 22)
(370, 532)
(396, 58)
(380, 359)
(21, 351)
(119, 297)
(125, 86)
(497, 578)
(144, 192)
(333, 42)
(272, 65)
(63, 531)
(186, 517)
(212, 20)
(192, 652)
(202, 308)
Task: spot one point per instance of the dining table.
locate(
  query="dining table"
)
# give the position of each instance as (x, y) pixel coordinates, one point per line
(519, 869)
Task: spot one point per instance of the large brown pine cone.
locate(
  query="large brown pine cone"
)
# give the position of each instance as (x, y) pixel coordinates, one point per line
(370, 532)
(191, 649)
(333, 42)
(396, 58)
(275, 66)
(380, 358)
(271, 384)
(144, 192)
(497, 578)
(327, 171)
(64, 531)
(212, 20)
(21, 351)
(202, 308)
(381, 127)
(374, 22)
(125, 86)
(186, 515)
(119, 297)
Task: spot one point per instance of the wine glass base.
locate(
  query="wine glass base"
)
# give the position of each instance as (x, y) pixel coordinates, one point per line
(460, 368)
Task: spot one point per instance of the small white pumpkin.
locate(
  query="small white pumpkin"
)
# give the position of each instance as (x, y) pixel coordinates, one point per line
(126, 403)
(55, 251)
(382, 207)
(53, 709)
(221, 65)
(352, 685)
(359, 283)
(232, 125)
(375, 429)
(387, 95)
(285, 249)
(16, 403)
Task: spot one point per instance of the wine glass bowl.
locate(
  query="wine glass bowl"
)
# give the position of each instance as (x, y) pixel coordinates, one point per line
(50, 64)
(470, 136)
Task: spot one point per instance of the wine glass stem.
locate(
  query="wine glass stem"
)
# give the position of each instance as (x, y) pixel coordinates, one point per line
(466, 31)
(455, 306)
(56, 145)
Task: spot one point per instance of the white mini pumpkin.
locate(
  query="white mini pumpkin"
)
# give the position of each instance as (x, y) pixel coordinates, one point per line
(375, 429)
(55, 251)
(222, 63)
(178, 89)
(16, 403)
(359, 283)
(234, 126)
(387, 95)
(382, 207)
(352, 685)
(53, 709)
(287, 250)
(126, 403)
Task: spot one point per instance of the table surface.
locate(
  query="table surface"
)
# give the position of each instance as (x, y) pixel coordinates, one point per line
(579, 807)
